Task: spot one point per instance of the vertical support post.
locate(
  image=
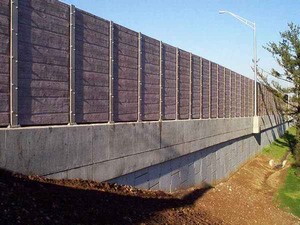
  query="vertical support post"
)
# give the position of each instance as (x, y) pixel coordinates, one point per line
(218, 91)
(236, 95)
(72, 119)
(14, 120)
(191, 87)
(230, 107)
(139, 77)
(161, 81)
(248, 100)
(209, 92)
(249, 96)
(111, 72)
(224, 87)
(242, 97)
(177, 84)
(255, 71)
(258, 100)
(251, 102)
(201, 87)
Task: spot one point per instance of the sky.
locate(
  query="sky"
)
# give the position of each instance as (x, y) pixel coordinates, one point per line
(197, 27)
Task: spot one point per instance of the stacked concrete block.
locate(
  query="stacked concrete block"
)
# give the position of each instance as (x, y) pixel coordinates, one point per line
(205, 166)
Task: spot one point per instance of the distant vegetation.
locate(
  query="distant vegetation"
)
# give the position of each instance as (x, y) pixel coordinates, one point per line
(289, 193)
(287, 54)
(281, 146)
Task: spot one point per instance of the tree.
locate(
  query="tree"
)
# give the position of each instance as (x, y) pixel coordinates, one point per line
(287, 54)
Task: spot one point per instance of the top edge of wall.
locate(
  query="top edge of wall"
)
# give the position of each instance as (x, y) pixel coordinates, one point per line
(98, 17)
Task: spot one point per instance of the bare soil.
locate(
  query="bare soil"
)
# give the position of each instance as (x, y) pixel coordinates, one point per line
(246, 198)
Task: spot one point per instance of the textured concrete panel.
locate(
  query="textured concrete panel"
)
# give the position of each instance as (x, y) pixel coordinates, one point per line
(121, 140)
(125, 74)
(2, 148)
(42, 99)
(175, 181)
(80, 146)
(191, 175)
(85, 172)
(45, 151)
(198, 164)
(100, 146)
(92, 50)
(206, 166)
(172, 133)
(142, 181)
(154, 174)
(109, 169)
(184, 172)
(127, 139)
(4, 63)
(147, 137)
(165, 177)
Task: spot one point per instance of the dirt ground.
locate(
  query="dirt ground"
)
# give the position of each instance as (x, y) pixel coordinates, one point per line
(248, 196)
(245, 198)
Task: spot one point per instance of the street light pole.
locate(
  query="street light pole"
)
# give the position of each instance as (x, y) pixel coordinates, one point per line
(252, 25)
(255, 69)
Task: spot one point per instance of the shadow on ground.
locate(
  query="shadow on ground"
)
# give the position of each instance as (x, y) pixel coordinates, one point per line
(36, 200)
(289, 141)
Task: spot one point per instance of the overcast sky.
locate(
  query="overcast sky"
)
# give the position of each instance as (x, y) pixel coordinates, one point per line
(196, 26)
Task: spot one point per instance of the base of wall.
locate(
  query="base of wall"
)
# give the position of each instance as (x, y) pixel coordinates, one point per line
(166, 155)
(206, 166)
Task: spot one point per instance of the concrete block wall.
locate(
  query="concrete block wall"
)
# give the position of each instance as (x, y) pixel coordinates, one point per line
(149, 154)
(207, 166)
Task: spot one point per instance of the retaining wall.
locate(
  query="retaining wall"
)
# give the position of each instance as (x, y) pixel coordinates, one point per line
(207, 166)
(107, 151)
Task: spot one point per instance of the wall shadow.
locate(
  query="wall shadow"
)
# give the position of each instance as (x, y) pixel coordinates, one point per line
(25, 63)
(258, 138)
(34, 202)
(181, 171)
(79, 85)
(277, 114)
(116, 74)
(290, 141)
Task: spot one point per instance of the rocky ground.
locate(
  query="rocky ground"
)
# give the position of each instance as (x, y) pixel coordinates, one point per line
(246, 198)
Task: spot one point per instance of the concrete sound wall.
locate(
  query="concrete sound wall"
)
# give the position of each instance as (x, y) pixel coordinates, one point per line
(61, 65)
(88, 98)
(151, 154)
